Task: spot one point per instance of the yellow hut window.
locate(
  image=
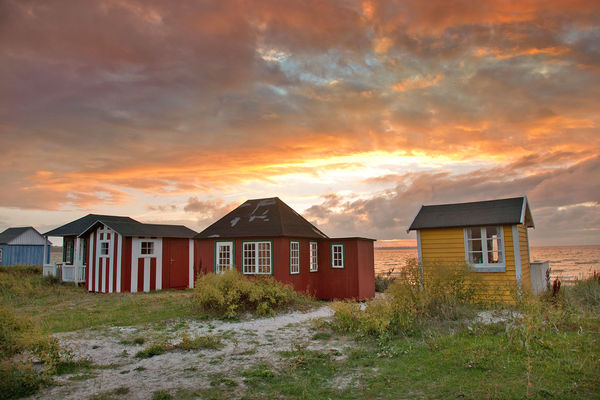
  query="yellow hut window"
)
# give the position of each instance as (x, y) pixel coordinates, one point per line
(484, 248)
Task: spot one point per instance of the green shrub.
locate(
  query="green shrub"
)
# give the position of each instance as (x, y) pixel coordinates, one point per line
(230, 294)
(20, 346)
(409, 301)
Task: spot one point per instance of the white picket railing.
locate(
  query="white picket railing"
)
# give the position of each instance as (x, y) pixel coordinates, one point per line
(73, 273)
(49, 270)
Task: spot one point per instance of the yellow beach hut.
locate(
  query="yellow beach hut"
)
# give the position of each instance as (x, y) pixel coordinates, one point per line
(490, 236)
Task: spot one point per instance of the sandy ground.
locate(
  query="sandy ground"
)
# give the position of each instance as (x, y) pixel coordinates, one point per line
(246, 343)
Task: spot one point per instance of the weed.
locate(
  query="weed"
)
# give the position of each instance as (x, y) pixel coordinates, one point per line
(321, 336)
(161, 395)
(153, 350)
(199, 342)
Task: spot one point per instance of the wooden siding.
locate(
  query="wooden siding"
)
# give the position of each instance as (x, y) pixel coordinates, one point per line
(23, 255)
(29, 238)
(524, 245)
(446, 246)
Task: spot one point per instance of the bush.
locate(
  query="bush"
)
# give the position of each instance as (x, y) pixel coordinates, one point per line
(20, 346)
(384, 280)
(409, 301)
(230, 294)
(585, 292)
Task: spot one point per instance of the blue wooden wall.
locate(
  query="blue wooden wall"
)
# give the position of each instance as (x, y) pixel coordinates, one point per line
(23, 255)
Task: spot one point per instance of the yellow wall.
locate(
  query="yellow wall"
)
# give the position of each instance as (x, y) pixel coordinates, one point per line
(447, 246)
(524, 248)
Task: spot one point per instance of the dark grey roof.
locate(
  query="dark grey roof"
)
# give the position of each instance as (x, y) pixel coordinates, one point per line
(269, 217)
(12, 233)
(77, 227)
(491, 212)
(135, 228)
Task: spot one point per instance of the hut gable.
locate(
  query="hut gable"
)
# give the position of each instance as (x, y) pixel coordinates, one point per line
(22, 236)
(269, 217)
(77, 227)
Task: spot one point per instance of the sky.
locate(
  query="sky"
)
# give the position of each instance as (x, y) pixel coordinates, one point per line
(355, 113)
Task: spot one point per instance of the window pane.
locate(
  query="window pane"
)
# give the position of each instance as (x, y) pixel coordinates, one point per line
(476, 258)
(475, 245)
(474, 233)
(494, 257)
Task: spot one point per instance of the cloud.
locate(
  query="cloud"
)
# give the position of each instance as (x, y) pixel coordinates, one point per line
(557, 194)
(108, 103)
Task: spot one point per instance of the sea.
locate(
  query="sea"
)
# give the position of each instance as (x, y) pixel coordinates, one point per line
(567, 263)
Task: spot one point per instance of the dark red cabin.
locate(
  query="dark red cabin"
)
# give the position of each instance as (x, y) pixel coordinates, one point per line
(267, 237)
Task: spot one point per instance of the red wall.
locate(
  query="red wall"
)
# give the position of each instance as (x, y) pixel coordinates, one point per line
(355, 281)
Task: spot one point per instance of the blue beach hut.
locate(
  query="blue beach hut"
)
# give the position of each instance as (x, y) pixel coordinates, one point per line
(23, 246)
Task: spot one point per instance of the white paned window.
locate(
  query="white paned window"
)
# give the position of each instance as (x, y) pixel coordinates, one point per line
(337, 256)
(147, 248)
(484, 246)
(256, 258)
(104, 249)
(313, 257)
(294, 257)
(224, 257)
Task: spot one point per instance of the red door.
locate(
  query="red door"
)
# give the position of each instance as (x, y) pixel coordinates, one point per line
(176, 261)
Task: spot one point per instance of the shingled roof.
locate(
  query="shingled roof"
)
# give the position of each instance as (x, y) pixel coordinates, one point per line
(268, 217)
(126, 228)
(123, 225)
(77, 227)
(491, 212)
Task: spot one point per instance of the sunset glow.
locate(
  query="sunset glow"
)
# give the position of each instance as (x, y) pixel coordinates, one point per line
(353, 113)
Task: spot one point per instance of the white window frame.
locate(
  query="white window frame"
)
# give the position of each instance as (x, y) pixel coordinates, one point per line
(486, 266)
(101, 246)
(313, 257)
(335, 246)
(251, 257)
(221, 268)
(151, 248)
(294, 257)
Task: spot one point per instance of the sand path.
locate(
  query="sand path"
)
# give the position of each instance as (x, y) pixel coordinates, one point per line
(246, 343)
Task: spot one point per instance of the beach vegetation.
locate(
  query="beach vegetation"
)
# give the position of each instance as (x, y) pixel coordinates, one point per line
(231, 294)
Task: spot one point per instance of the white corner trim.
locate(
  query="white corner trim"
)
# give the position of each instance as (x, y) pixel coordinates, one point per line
(191, 264)
(119, 256)
(523, 209)
(517, 255)
(90, 261)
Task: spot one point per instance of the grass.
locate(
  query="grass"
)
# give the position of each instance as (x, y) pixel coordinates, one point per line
(62, 307)
(549, 348)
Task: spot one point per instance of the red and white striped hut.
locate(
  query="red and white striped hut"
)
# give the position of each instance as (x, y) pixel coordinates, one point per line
(129, 256)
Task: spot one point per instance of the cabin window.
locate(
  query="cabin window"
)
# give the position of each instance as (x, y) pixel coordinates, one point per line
(313, 257)
(147, 248)
(484, 248)
(337, 256)
(68, 250)
(0, 255)
(294, 257)
(256, 258)
(104, 248)
(224, 257)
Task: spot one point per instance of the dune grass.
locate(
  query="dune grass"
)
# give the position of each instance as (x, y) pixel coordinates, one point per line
(62, 307)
